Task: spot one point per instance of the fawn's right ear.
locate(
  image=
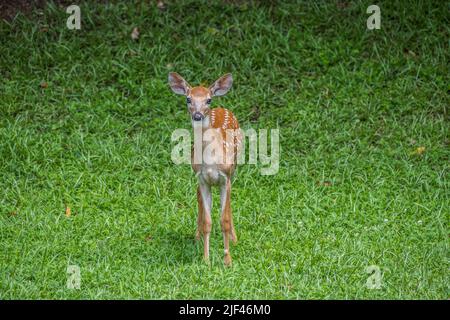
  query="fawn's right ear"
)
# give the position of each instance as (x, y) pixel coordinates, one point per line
(178, 84)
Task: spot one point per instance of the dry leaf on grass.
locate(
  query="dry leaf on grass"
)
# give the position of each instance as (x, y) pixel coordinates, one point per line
(135, 33)
(256, 112)
(161, 6)
(410, 53)
(68, 211)
(419, 151)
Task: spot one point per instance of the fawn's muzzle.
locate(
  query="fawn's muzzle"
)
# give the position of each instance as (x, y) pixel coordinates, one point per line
(197, 116)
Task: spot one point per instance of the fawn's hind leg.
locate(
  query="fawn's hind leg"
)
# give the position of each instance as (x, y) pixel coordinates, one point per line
(226, 220)
(233, 232)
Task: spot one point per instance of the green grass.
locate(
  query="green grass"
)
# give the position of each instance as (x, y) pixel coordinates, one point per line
(352, 106)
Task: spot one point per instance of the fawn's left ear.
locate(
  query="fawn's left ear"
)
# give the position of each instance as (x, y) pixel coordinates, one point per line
(178, 84)
(222, 85)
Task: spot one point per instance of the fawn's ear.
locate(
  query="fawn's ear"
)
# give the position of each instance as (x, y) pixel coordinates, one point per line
(222, 85)
(178, 84)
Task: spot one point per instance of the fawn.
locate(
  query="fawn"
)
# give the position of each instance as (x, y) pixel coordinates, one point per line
(225, 138)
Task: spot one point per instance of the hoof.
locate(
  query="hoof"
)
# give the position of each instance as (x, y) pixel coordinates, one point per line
(227, 260)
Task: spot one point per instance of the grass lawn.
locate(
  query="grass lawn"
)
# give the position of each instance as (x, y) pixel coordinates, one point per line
(86, 118)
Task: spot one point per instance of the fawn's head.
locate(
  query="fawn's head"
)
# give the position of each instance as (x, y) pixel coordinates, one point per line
(199, 98)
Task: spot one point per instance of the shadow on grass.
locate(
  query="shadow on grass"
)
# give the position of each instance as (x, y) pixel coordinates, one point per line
(171, 246)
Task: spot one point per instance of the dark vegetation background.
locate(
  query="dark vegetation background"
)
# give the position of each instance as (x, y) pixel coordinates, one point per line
(86, 177)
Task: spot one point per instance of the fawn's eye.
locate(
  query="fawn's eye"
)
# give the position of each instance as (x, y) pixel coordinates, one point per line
(188, 100)
(208, 101)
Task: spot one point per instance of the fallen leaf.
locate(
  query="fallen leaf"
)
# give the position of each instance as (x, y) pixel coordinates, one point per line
(409, 52)
(68, 211)
(135, 34)
(419, 151)
(256, 112)
(161, 6)
(43, 85)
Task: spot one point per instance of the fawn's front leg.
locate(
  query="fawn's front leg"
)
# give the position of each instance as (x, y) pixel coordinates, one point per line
(206, 199)
(226, 220)
(201, 213)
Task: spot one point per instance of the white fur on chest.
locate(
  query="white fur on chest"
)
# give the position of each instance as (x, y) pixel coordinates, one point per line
(212, 155)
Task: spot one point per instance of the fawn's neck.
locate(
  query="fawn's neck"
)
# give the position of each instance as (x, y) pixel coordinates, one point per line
(199, 128)
(205, 124)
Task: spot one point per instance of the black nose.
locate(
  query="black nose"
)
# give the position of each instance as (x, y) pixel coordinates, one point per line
(197, 116)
